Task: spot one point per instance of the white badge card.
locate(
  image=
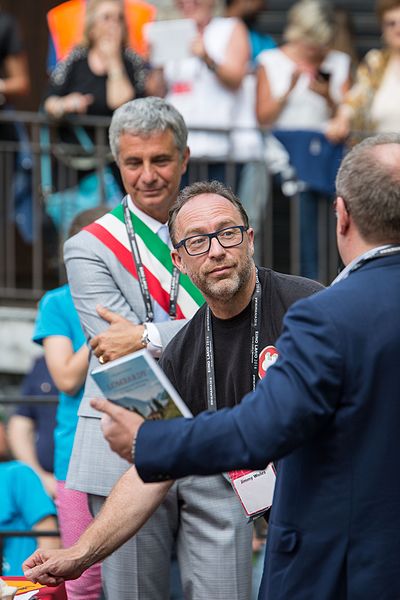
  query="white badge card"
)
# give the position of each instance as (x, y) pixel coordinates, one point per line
(255, 489)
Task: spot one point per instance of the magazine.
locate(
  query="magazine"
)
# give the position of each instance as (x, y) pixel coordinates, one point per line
(137, 383)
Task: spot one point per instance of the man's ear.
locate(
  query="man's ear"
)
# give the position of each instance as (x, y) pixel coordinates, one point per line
(250, 233)
(177, 261)
(342, 215)
(185, 160)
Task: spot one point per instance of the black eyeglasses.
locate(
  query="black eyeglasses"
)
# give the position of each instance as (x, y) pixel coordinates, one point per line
(201, 244)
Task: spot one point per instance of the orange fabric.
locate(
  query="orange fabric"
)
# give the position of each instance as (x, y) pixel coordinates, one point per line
(66, 24)
(137, 14)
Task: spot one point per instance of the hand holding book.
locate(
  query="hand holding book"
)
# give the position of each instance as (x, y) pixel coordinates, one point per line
(134, 382)
(119, 426)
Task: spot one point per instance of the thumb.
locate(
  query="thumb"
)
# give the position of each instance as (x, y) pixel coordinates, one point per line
(104, 406)
(107, 314)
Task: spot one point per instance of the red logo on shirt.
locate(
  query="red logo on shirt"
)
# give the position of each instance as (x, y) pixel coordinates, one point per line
(267, 358)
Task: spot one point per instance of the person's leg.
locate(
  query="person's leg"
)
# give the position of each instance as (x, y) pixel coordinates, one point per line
(214, 541)
(73, 518)
(140, 568)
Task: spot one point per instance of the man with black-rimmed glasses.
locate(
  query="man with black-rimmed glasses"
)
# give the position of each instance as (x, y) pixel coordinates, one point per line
(213, 244)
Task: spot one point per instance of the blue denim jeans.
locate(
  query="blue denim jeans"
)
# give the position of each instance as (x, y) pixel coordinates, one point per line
(309, 203)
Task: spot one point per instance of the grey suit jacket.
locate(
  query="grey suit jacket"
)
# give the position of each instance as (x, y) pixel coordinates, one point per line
(97, 277)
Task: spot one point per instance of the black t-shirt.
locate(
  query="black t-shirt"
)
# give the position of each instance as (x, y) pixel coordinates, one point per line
(183, 360)
(74, 75)
(10, 41)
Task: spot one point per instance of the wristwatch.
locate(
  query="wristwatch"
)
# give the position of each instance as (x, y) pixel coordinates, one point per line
(144, 340)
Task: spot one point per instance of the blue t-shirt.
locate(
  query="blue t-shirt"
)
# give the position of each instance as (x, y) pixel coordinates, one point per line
(24, 503)
(57, 316)
(260, 42)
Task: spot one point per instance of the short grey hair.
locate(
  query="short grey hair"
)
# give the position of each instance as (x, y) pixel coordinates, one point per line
(370, 188)
(145, 117)
(197, 189)
(311, 21)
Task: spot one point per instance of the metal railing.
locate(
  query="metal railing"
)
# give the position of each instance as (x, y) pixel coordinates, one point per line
(18, 534)
(30, 242)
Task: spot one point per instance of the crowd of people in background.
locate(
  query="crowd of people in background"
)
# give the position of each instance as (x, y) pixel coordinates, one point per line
(238, 87)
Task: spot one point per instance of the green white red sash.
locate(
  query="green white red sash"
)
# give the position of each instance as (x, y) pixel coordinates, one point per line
(155, 255)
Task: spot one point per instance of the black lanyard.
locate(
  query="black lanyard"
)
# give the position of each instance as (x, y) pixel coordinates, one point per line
(255, 346)
(144, 288)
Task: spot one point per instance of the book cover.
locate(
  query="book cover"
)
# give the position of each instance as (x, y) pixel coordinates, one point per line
(136, 382)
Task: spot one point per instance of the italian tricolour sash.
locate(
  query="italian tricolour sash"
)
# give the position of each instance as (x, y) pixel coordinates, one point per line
(110, 230)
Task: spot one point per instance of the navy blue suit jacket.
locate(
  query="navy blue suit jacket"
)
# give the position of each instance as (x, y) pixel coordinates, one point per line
(329, 409)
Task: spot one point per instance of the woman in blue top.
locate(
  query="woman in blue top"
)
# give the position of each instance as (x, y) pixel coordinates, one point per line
(25, 505)
(59, 330)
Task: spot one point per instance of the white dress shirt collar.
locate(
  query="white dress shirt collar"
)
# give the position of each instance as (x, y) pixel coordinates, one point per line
(153, 224)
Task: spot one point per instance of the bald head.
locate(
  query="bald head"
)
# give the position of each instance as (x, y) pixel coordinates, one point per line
(369, 182)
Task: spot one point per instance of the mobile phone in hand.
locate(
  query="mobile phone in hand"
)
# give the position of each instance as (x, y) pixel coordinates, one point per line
(323, 75)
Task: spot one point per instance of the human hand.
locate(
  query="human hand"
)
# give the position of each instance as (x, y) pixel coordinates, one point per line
(337, 129)
(76, 102)
(121, 338)
(320, 86)
(198, 48)
(155, 83)
(52, 567)
(119, 425)
(109, 44)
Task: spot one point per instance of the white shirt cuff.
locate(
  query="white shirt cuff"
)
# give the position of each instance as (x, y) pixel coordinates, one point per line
(154, 346)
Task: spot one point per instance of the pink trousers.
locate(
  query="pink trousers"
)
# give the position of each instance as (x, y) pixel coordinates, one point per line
(73, 518)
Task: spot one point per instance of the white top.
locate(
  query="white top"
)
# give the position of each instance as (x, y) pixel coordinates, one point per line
(246, 139)
(151, 223)
(304, 108)
(199, 95)
(385, 109)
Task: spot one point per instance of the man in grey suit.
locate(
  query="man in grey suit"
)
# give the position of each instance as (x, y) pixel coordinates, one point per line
(120, 262)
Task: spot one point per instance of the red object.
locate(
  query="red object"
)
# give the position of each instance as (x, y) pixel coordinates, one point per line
(44, 593)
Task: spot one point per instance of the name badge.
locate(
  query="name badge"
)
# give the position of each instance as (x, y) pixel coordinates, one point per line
(255, 490)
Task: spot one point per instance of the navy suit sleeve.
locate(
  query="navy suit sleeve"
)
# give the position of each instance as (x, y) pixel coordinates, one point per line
(298, 396)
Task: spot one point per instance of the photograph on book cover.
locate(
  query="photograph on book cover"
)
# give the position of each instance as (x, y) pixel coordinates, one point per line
(137, 383)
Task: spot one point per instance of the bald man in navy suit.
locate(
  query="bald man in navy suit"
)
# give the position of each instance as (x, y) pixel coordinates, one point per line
(328, 411)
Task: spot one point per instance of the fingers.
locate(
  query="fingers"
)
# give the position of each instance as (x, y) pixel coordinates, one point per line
(107, 314)
(40, 575)
(106, 407)
(89, 99)
(35, 559)
(36, 568)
